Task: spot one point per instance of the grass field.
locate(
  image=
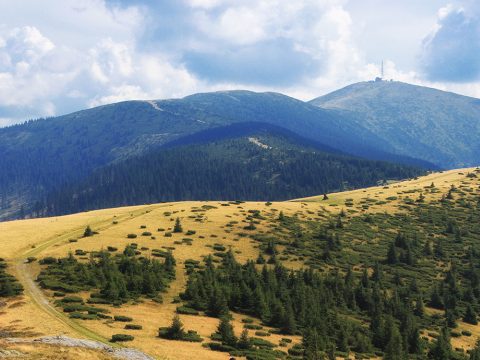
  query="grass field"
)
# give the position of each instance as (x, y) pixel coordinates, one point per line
(34, 314)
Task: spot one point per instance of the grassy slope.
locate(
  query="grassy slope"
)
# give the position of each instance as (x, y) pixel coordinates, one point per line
(30, 316)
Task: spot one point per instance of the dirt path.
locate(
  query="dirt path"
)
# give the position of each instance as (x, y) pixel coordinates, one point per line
(34, 294)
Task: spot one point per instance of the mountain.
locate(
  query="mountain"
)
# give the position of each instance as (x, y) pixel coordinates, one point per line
(243, 161)
(424, 123)
(49, 154)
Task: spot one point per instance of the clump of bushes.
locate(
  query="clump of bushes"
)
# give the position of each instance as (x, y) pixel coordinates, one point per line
(176, 332)
(122, 318)
(121, 338)
(133, 327)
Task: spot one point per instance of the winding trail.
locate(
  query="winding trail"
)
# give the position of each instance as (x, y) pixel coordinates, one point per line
(33, 293)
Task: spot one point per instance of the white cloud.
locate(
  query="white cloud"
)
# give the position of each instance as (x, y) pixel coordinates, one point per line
(84, 53)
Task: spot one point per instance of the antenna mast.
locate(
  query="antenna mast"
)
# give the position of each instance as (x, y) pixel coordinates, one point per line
(383, 72)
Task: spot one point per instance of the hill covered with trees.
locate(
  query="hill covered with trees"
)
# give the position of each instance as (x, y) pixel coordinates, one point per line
(247, 161)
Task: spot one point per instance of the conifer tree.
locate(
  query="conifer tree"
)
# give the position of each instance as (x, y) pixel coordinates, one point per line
(175, 331)
(244, 342)
(225, 330)
(392, 257)
(178, 226)
(88, 232)
(470, 317)
(442, 349)
(394, 349)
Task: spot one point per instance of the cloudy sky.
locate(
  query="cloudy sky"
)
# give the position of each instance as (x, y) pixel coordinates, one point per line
(58, 56)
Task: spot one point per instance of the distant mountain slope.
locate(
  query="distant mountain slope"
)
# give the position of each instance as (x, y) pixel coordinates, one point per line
(424, 123)
(261, 162)
(41, 156)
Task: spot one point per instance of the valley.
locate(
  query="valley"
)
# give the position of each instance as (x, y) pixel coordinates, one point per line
(399, 242)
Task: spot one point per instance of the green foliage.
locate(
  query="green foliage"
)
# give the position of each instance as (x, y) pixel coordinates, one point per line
(121, 338)
(88, 232)
(178, 226)
(176, 332)
(9, 286)
(117, 278)
(122, 318)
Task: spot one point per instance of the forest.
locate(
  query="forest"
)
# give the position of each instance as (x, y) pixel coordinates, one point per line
(234, 169)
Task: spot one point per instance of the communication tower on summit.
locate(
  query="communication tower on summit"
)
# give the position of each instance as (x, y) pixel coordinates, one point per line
(382, 75)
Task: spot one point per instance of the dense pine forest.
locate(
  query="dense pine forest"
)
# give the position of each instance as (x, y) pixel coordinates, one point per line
(258, 167)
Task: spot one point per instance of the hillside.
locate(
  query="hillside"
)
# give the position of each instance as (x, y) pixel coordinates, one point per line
(424, 123)
(244, 161)
(47, 154)
(394, 269)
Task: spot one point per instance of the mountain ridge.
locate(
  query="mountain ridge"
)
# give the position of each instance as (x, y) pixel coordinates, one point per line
(427, 123)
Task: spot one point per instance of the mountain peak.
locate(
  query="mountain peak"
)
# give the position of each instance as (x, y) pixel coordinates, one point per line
(426, 123)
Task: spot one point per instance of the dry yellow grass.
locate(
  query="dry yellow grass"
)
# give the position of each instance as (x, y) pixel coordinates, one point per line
(401, 190)
(50, 237)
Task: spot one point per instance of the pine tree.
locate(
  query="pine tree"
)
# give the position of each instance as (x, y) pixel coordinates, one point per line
(260, 260)
(88, 232)
(394, 349)
(313, 345)
(436, 300)
(442, 349)
(244, 342)
(225, 330)
(178, 226)
(392, 257)
(470, 317)
(175, 331)
(419, 308)
(289, 324)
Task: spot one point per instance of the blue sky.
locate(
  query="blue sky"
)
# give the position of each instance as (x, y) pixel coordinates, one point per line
(58, 56)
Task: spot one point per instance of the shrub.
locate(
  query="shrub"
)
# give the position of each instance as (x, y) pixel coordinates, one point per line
(72, 299)
(48, 260)
(112, 248)
(262, 333)
(122, 318)
(131, 236)
(133, 327)
(121, 337)
(252, 327)
(77, 315)
(186, 310)
(146, 233)
(220, 347)
(88, 232)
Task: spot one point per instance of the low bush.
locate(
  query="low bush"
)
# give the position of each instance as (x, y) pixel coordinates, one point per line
(133, 327)
(186, 310)
(121, 337)
(122, 318)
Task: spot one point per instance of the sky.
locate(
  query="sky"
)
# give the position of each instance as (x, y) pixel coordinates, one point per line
(59, 56)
